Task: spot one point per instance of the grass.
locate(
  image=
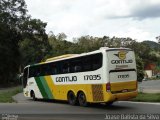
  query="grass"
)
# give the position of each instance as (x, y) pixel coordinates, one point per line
(6, 94)
(154, 78)
(147, 97)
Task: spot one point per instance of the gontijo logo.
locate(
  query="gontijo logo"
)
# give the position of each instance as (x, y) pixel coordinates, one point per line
(121, 55)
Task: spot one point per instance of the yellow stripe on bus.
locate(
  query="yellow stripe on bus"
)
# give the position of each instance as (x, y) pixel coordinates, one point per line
(50, 84)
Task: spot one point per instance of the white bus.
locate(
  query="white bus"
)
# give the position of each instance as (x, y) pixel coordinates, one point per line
(102, 76)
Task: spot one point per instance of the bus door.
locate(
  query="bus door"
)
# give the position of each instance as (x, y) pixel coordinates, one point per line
(25, 79)
(122, 70)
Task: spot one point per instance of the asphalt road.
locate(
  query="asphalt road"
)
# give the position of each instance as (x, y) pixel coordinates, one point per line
(26, 109)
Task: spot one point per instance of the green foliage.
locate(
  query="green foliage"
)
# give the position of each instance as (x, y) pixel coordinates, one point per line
(152, 44)
(12, 14)
(59, 45)
(10, 56)
(6, 95)
(34, 45)
(140, 66)
(147, 97)
(22, 40)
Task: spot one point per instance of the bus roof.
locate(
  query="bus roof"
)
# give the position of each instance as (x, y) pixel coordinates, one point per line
(60, 57)
(66, 56)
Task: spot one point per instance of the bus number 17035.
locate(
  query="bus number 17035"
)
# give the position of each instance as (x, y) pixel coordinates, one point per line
(92, 77)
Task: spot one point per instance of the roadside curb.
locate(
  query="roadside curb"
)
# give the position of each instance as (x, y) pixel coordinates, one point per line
(150, 86)
(144, 90)
(18, 98)
(151, 103)
(14, 98)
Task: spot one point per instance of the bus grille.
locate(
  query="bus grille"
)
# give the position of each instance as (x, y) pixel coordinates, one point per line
(97, 91)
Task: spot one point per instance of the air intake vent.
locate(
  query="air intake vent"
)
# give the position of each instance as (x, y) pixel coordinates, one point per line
(97, 91)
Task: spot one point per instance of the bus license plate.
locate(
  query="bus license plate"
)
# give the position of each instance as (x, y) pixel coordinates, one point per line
(125, 90)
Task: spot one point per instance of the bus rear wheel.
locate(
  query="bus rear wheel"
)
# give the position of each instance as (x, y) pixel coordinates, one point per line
(71, 98)
(82, 99)
(33, 96)
(109, 103)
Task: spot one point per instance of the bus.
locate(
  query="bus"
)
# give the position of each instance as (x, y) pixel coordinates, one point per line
(102, 76)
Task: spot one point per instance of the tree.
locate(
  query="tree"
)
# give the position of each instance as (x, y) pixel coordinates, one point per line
(12, 15)
(87, 43)
(59, 45)
(140, 68)
(158, 39)
(23, 40)
(34, 44)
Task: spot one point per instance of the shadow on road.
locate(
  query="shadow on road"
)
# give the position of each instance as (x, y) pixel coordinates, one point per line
(115, 106)
(111, 107)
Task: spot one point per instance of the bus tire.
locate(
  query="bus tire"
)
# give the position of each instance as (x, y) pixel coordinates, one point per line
(82, 99)
(109, 103)
(72, 100)
(33, 96)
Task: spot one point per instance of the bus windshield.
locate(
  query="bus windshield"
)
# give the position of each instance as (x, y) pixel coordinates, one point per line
(25, 76)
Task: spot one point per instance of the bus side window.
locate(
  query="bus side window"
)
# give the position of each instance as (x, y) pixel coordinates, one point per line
(77, 68)
(76, 65)
(66, 67)
(53, 69)
(47, 70)
(97, 61)
(87, 64)
(41, 70)
(38, 71)
(31, 72)
(50, 69)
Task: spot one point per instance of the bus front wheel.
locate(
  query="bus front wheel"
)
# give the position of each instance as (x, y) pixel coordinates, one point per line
(33, 96)
(82, 99)
(71, 98)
